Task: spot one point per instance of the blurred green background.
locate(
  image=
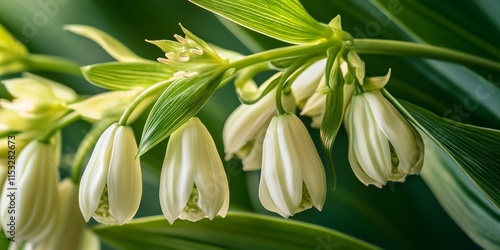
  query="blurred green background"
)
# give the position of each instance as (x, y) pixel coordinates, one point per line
(399, 216)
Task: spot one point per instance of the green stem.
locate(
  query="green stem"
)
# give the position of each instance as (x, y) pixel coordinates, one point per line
(399, 48)
(86, 145)
(63, 122)
(140, 98)
(52, 63)
(281, 53)
(279, 105)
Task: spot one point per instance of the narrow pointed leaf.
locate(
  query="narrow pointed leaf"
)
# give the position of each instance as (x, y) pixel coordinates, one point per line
(238, 231)
(285, 20)
(180, 101)
(474, 149)
(115, 48)
(125, 76)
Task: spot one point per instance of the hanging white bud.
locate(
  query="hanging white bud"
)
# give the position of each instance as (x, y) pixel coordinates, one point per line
(293, 177)
(111, 186)
(193, 184)
(383, 146)
(28, 206)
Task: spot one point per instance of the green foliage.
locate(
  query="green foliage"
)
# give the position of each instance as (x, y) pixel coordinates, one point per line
(114, 47)
(474, 149)
(125, 76)
(238, 230)
(461, 198)
(285, 20)
(182, 100)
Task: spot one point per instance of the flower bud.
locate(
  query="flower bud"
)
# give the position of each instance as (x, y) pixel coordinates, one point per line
(193, 184)
(37, 103)
(111, 186)
(243, 127)
(69, 232)
(383, 146)
(293, 177)
(34, 203)
(308, 81)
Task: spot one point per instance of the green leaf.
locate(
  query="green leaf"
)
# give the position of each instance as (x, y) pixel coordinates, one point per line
(115, 48)
(236, 231)
(461, 199)
(125, 76)
(474, 149)
(334, 106)
(285, 20)
(182, 99)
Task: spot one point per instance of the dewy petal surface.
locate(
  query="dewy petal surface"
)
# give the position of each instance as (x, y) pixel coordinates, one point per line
(124, 177)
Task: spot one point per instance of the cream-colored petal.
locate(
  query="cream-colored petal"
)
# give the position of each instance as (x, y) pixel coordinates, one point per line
(68, 232)
(209, 176)
(313, 172)
(315, 105)
(177, 177)
(370, 145)
(253, 161)
(59, 91)
(94, 177)
(36, 195)
(406, 141)
(280, 169)
(245, 122)
(377, 82)
(124, 176)
(266, 200)
(307, 82)
(29, 89)
(353, 161)
(105, 105)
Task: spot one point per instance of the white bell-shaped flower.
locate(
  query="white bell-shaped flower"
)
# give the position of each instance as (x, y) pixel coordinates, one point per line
(70, 232)
(29, 212)
(293, 177)
(308, 81)
(383, 146)
(193, 184)
(111, 186)
(242, 128)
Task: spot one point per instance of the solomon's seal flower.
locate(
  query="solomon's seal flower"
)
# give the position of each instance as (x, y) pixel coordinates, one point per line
(111, 186)
(383, 146)
(70, 232)
(245, 127)
(36, 197)
(193, 183)
(293, 177)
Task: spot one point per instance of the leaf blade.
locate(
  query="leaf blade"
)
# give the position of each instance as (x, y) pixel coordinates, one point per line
(285, 20)
(231, 232)
(474, 149)
(181, 100)
(126, 76)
